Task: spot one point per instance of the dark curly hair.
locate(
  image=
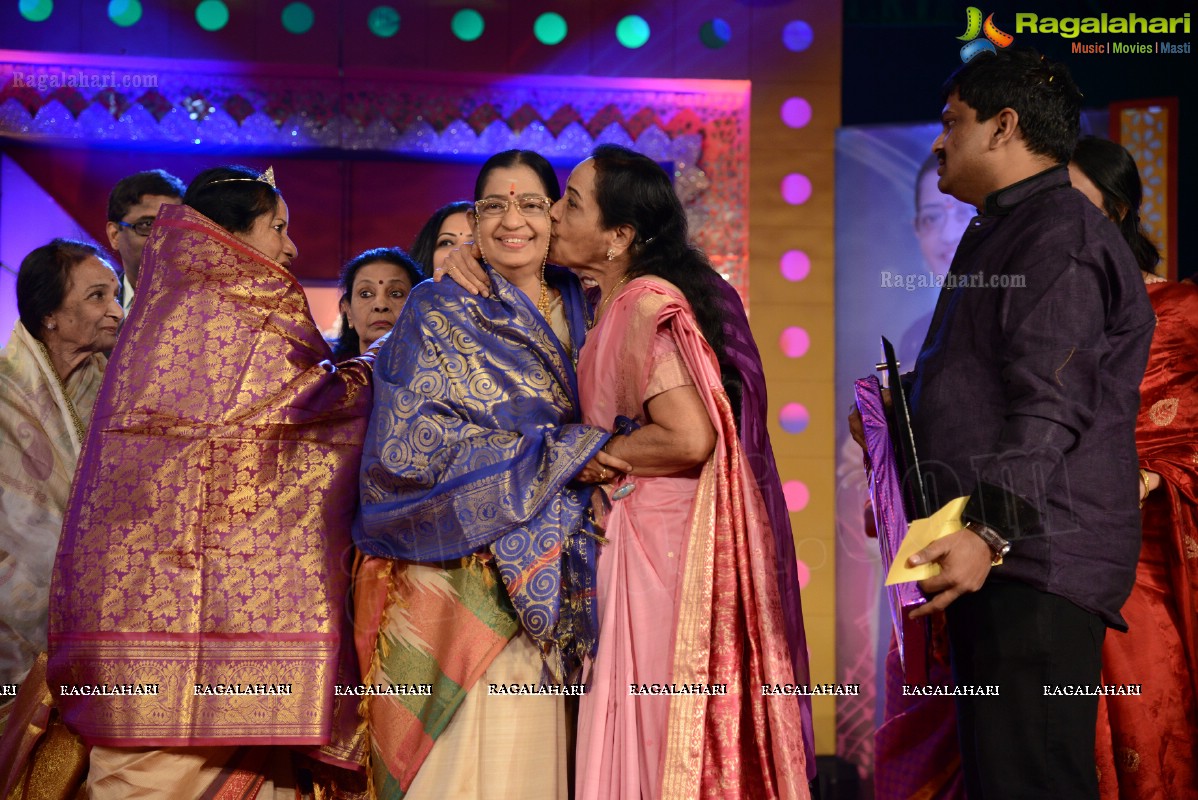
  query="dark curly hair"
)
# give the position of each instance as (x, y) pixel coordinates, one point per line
(1040, 91)
(424, 247)
(1112, 169)
(633, 189)
(348, 344)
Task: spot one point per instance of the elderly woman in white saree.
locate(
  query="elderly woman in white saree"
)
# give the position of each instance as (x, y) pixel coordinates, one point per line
(50, 374)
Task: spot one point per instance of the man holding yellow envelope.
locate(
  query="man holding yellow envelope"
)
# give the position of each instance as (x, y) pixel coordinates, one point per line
(1023, 403)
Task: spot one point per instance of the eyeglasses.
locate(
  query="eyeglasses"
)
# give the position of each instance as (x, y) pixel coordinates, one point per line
(141, 227)
(529, 205)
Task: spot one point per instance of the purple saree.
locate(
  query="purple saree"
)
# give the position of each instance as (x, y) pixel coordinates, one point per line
(210, 515)
(755, 439)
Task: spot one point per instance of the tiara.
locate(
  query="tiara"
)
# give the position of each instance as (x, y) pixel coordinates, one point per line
(267, 177)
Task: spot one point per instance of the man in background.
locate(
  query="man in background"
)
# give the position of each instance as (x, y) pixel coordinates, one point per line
(132, 206)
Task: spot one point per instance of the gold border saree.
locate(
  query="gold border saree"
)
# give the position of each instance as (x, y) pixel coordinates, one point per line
(207, 539)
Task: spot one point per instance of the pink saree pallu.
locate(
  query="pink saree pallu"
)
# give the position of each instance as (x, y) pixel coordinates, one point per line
(203, 571)
(688, 593)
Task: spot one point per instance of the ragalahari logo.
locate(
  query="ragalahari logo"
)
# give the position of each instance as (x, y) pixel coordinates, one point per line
(975, 28)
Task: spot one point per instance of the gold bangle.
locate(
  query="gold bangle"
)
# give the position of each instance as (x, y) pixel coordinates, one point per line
(1147, 486)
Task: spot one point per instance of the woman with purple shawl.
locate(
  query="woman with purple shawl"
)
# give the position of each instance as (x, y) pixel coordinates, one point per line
(197, 605)
(742, 352)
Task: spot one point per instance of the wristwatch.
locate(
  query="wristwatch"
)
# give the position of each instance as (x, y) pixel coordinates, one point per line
(999, 546)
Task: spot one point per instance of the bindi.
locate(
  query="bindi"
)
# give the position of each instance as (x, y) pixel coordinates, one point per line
(512, 190)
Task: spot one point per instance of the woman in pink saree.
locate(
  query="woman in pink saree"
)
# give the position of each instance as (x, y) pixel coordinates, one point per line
(691, 622)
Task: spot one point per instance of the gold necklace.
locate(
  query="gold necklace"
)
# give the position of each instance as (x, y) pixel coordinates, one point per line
(543, 298)
(78, 423)
(610, 296)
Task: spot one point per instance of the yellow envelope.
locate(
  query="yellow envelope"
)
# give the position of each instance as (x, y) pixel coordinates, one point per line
(920, 534)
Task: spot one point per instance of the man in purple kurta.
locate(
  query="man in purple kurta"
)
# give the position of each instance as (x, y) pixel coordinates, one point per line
(1024, 399)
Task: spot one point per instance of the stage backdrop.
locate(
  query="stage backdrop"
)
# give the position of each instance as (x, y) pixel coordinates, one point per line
(440, 79)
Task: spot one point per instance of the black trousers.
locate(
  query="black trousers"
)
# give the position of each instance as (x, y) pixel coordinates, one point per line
(1027, 742)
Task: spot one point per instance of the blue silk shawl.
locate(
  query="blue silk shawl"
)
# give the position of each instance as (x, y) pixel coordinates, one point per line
(473, 441)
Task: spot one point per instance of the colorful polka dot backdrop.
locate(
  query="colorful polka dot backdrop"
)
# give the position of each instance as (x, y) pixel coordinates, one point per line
(796, 189)
(797, 36)
(794, 342)
(794, 418)
(795, 265)
(796, 112)
(796, 495)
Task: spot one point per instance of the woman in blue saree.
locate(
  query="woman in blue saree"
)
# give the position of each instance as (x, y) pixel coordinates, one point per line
(479, 576)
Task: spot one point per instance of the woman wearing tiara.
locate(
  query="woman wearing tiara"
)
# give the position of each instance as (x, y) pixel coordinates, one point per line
(200, 570)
